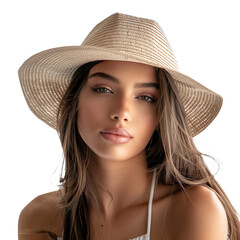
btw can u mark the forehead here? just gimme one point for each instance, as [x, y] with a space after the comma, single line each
[124, 71]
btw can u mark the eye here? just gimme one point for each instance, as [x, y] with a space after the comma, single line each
[106, 90]
[101, 90]
[147, 99]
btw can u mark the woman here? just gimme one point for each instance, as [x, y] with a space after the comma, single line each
[126, 117]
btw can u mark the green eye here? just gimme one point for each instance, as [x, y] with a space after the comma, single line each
[147, 99]
[101, 90]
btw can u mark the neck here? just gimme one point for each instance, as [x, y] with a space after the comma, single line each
[127, 181]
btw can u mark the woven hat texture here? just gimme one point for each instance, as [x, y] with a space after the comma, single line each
[45, 76]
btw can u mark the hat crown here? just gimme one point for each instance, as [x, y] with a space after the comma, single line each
[136, 36]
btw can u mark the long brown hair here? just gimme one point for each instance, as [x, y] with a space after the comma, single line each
[170, 151]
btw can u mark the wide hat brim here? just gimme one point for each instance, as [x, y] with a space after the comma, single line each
[46, 75]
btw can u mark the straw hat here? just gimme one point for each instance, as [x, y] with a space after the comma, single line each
[45, 76]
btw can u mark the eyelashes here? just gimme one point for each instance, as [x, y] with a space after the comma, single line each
[101, 90]
[145, 98]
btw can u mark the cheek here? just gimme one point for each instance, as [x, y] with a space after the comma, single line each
[90, 114]
[147, 117]
[145, 124]
[150, 125]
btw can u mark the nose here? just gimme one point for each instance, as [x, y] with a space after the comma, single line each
[121, 110]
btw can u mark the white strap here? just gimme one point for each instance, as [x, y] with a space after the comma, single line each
[150, 204]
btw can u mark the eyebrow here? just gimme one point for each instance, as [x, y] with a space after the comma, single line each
[115, 80]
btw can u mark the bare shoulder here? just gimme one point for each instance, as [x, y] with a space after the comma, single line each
[42, 215]
[197, 213]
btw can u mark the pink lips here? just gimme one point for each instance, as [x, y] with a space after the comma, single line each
[116, 135]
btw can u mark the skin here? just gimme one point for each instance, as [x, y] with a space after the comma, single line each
[121, 169]
[121, 105]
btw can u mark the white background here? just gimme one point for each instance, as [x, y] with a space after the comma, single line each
[205, 38]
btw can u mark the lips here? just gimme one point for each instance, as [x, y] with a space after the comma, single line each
[117, 131]
[116, 135]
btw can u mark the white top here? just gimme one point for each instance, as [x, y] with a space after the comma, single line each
[147, 235]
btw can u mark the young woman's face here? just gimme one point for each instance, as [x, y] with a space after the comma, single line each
[118, 95]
